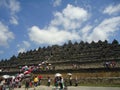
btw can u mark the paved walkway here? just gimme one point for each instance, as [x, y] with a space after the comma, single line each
[71, 88]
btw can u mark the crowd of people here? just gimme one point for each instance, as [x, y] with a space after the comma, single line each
[42, 66]
[26, 78]
[10, 82]
[29, 81]
[109, 64]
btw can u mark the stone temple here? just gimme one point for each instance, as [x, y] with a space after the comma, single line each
[95, 63]
[70, 56]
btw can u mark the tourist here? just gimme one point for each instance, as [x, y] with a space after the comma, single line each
[113, 63]
[56, 81]
[70, 80]
[36, 81]
[31, 83]
[19, 84]
[61, 83]
[76, 81]
[2, 82]
[13, 84]
[39, 78]
[27, 80]
[49, 80]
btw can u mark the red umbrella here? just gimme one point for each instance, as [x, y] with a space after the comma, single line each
[30, 70]
[39, 76]
[27, 72]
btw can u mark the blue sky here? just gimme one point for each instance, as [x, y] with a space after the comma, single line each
[29, 24]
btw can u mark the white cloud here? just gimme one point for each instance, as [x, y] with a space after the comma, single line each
[105, 29]
[14, 7]
[26, 44]
[85, 31]
[23, 46]
[62, 28]
[14, 20]
[112, 9]
[57, 3]
[70, 18]
[69, 25]
[5, 35]
[21, 50]
[51, 36]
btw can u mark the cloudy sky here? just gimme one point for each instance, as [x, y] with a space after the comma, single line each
[28, 24]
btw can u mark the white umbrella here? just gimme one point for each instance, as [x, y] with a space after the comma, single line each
[58, 75]
[13, 77]
[46, 61]
[6, 76]
[49, 64]
[21, 75]
[39, 64]
[27, 75]
[43, 62]
[69, 74]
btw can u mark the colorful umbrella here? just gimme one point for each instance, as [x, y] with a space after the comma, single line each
[69, 74]
[6, 76]
[27, 72]
[58, 75]
[39, 76]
